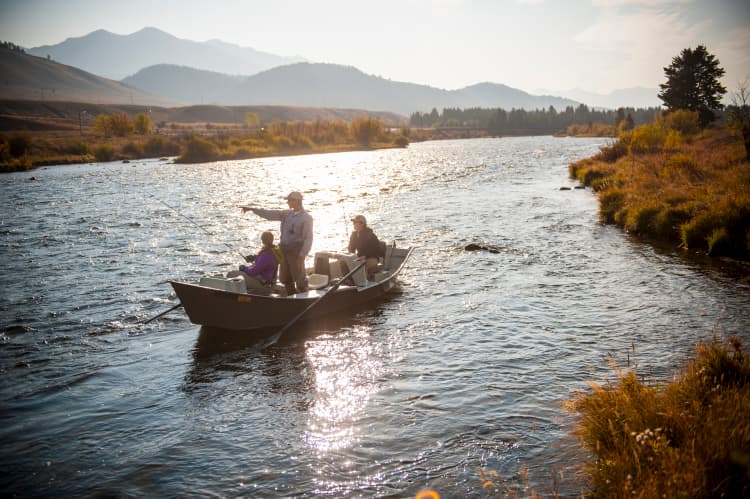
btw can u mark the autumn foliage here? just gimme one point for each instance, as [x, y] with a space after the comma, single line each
[687, 438]
[674, 181]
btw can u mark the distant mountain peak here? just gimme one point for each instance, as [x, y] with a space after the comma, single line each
[117, 56]
[328, 85]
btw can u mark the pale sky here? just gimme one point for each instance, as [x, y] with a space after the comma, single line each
[595, 45]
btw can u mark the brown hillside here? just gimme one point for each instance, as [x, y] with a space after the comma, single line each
[34, 78]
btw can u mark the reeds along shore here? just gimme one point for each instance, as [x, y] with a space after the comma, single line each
[672, 181]
[689, 438]
[26, 150]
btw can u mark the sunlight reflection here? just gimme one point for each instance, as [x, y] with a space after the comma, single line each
[335, 187]
[345, 371]
[205, 200]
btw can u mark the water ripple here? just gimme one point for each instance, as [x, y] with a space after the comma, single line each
[456, 381]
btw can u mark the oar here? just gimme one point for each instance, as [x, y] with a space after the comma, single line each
[273, 339]
[163, 313]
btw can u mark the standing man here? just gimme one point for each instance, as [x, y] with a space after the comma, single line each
[296, 240]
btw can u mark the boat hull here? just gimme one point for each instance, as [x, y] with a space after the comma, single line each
[221, 309]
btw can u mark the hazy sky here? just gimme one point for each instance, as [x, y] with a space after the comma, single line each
[596, 45]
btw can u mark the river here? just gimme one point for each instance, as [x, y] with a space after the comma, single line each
[453, 382]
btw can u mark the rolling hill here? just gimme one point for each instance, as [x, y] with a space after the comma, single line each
[328, 85]
[29, 77]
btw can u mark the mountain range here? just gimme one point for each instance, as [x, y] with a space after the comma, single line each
[156, 64]
[328, 85]
[117, 56]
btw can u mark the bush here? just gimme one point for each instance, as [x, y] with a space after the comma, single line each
[682, 164]
[689, 438]
[132, 150]
[401, 141]
[611, 203]
[642, 220]
[19, 145]
[16, 164]
[612, 152]
[104, 153]
[142, 124]
[673, 140]
[198, 150]
[683, 121]
[77, 147]
[647, 138]
[365, 131]
[160, 146]
[668, 221]
[718, 242]
[281, 142]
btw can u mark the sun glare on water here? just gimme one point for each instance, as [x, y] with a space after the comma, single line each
[344, 374]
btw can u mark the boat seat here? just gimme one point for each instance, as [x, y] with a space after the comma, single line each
[232, 284]
[387, 257]
[317, 281]
[327, 264]
[348, 262]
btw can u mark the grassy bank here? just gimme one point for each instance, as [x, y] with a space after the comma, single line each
[29, 149]
[688, 438]
[670, 180]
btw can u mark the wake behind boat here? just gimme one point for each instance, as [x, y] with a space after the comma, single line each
[224, 303]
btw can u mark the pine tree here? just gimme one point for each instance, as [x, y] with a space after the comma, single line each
[693, 83]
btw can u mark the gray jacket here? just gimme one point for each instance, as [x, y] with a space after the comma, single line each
[296, 229]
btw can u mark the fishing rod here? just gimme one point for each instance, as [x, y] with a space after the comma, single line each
[197, 225]
[193, 222]
[346, 226]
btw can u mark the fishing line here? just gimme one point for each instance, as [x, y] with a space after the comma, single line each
[197, 225]
[346, 224]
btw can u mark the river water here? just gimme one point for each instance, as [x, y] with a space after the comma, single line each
[453, 382]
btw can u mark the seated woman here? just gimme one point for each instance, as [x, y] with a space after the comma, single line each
[365, 243]
[261, 275]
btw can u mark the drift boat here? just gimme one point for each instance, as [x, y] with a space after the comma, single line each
[225, 303]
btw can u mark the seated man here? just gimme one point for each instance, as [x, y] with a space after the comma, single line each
[365, 243]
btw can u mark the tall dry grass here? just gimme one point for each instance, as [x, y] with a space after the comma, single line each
[673, 181]
[291, 138]
[689, 438]
[21, 151]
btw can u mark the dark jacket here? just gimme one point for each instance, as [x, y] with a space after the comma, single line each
[365, 243]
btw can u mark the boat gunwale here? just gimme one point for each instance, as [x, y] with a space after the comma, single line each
[297, 296]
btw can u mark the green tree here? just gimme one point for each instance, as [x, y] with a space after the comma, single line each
[142, 124]
[102, 125]
[366, 130]
[693, 83]
[121, 126]
[252, 120]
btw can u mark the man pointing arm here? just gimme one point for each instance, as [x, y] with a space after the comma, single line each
[296, 240]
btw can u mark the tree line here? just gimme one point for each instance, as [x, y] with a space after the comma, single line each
[692, 84]
[498, 121]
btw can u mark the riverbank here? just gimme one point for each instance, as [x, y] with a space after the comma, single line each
[670, 181]
[691, 435]
[352, 394]
[199, 143]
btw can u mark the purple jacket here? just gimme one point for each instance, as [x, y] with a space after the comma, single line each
[264, 267]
